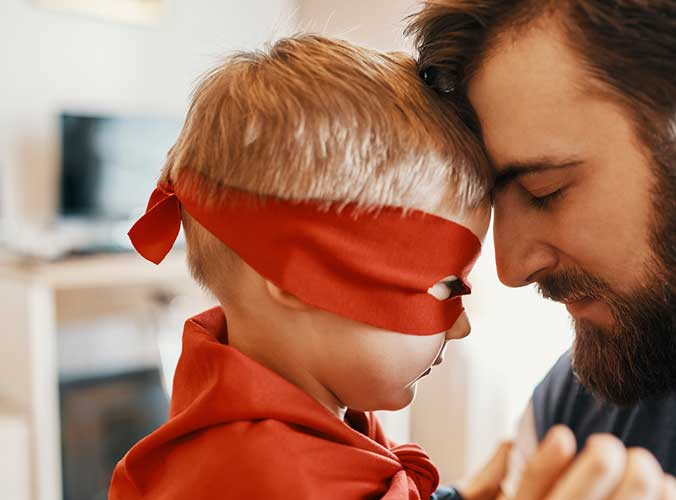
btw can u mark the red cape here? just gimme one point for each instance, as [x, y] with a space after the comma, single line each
[237, 430]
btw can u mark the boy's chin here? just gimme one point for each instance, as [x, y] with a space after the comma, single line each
[402, 399]
[393, 401]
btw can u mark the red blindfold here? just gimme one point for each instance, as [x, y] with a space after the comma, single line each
[398, 270]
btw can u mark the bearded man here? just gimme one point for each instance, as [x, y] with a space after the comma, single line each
[575, 102]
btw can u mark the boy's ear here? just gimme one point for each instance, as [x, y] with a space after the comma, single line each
[285, 298]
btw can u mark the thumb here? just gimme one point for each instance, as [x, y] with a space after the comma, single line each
[485, 484]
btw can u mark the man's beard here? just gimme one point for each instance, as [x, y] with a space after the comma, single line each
[635, 358]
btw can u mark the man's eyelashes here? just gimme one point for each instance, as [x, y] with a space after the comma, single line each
[545, 202]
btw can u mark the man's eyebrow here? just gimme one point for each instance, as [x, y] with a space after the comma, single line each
[512, 171]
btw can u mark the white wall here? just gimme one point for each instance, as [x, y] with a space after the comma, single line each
[50, 61]
[374, 23]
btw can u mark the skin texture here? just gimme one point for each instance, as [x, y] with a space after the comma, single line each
[339, 362]
[601, 219]
[574, 210]
[538, 108]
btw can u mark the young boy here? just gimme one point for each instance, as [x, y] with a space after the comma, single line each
[334, 211]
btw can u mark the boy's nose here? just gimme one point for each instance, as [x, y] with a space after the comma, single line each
[459, 330]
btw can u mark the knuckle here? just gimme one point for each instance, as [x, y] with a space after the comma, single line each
[605, 455]
[601, 464]
[639, 485]
[669, 487]
[603, 440]
[643, 472]
[644, 460]
[561, 443]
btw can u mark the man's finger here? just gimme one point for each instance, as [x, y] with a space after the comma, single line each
[596, 473]
[668, 488]
[550, 461]
[497, 466]
[486, 483]
[643, 477]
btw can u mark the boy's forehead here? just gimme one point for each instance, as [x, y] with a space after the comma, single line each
[450, 202]
[476, 218]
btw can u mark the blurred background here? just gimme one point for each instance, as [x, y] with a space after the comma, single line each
[92, 95]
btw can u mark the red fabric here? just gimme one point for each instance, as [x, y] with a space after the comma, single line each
[375, 268]
[154, 235]
[239, 431]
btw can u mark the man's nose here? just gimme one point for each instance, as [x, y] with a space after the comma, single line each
[522, 250]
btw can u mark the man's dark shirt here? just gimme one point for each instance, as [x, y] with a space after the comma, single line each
[650, 424]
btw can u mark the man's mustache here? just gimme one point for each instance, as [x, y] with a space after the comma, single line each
[572, 285]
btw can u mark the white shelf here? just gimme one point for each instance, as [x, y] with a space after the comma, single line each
[29, 370]
[14, 460]
[97, 271]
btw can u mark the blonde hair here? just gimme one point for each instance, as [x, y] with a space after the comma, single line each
[312, 118]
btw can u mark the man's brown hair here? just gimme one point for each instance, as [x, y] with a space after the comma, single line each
[628, 48]
[312, 118]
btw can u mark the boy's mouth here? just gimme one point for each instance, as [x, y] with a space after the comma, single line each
[423, 375]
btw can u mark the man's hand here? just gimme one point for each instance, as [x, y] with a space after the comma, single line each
[604, 470]
[485, 485]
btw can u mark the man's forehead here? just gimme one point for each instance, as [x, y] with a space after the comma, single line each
[528, 96]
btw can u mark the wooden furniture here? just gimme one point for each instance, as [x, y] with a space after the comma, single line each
[32, 301]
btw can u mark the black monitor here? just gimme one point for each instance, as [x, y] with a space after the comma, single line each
[110, 163]
[102, 417]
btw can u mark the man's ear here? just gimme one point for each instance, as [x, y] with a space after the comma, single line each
[285, 298]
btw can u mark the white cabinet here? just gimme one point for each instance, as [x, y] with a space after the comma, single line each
[14, 463]
[34, 299]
